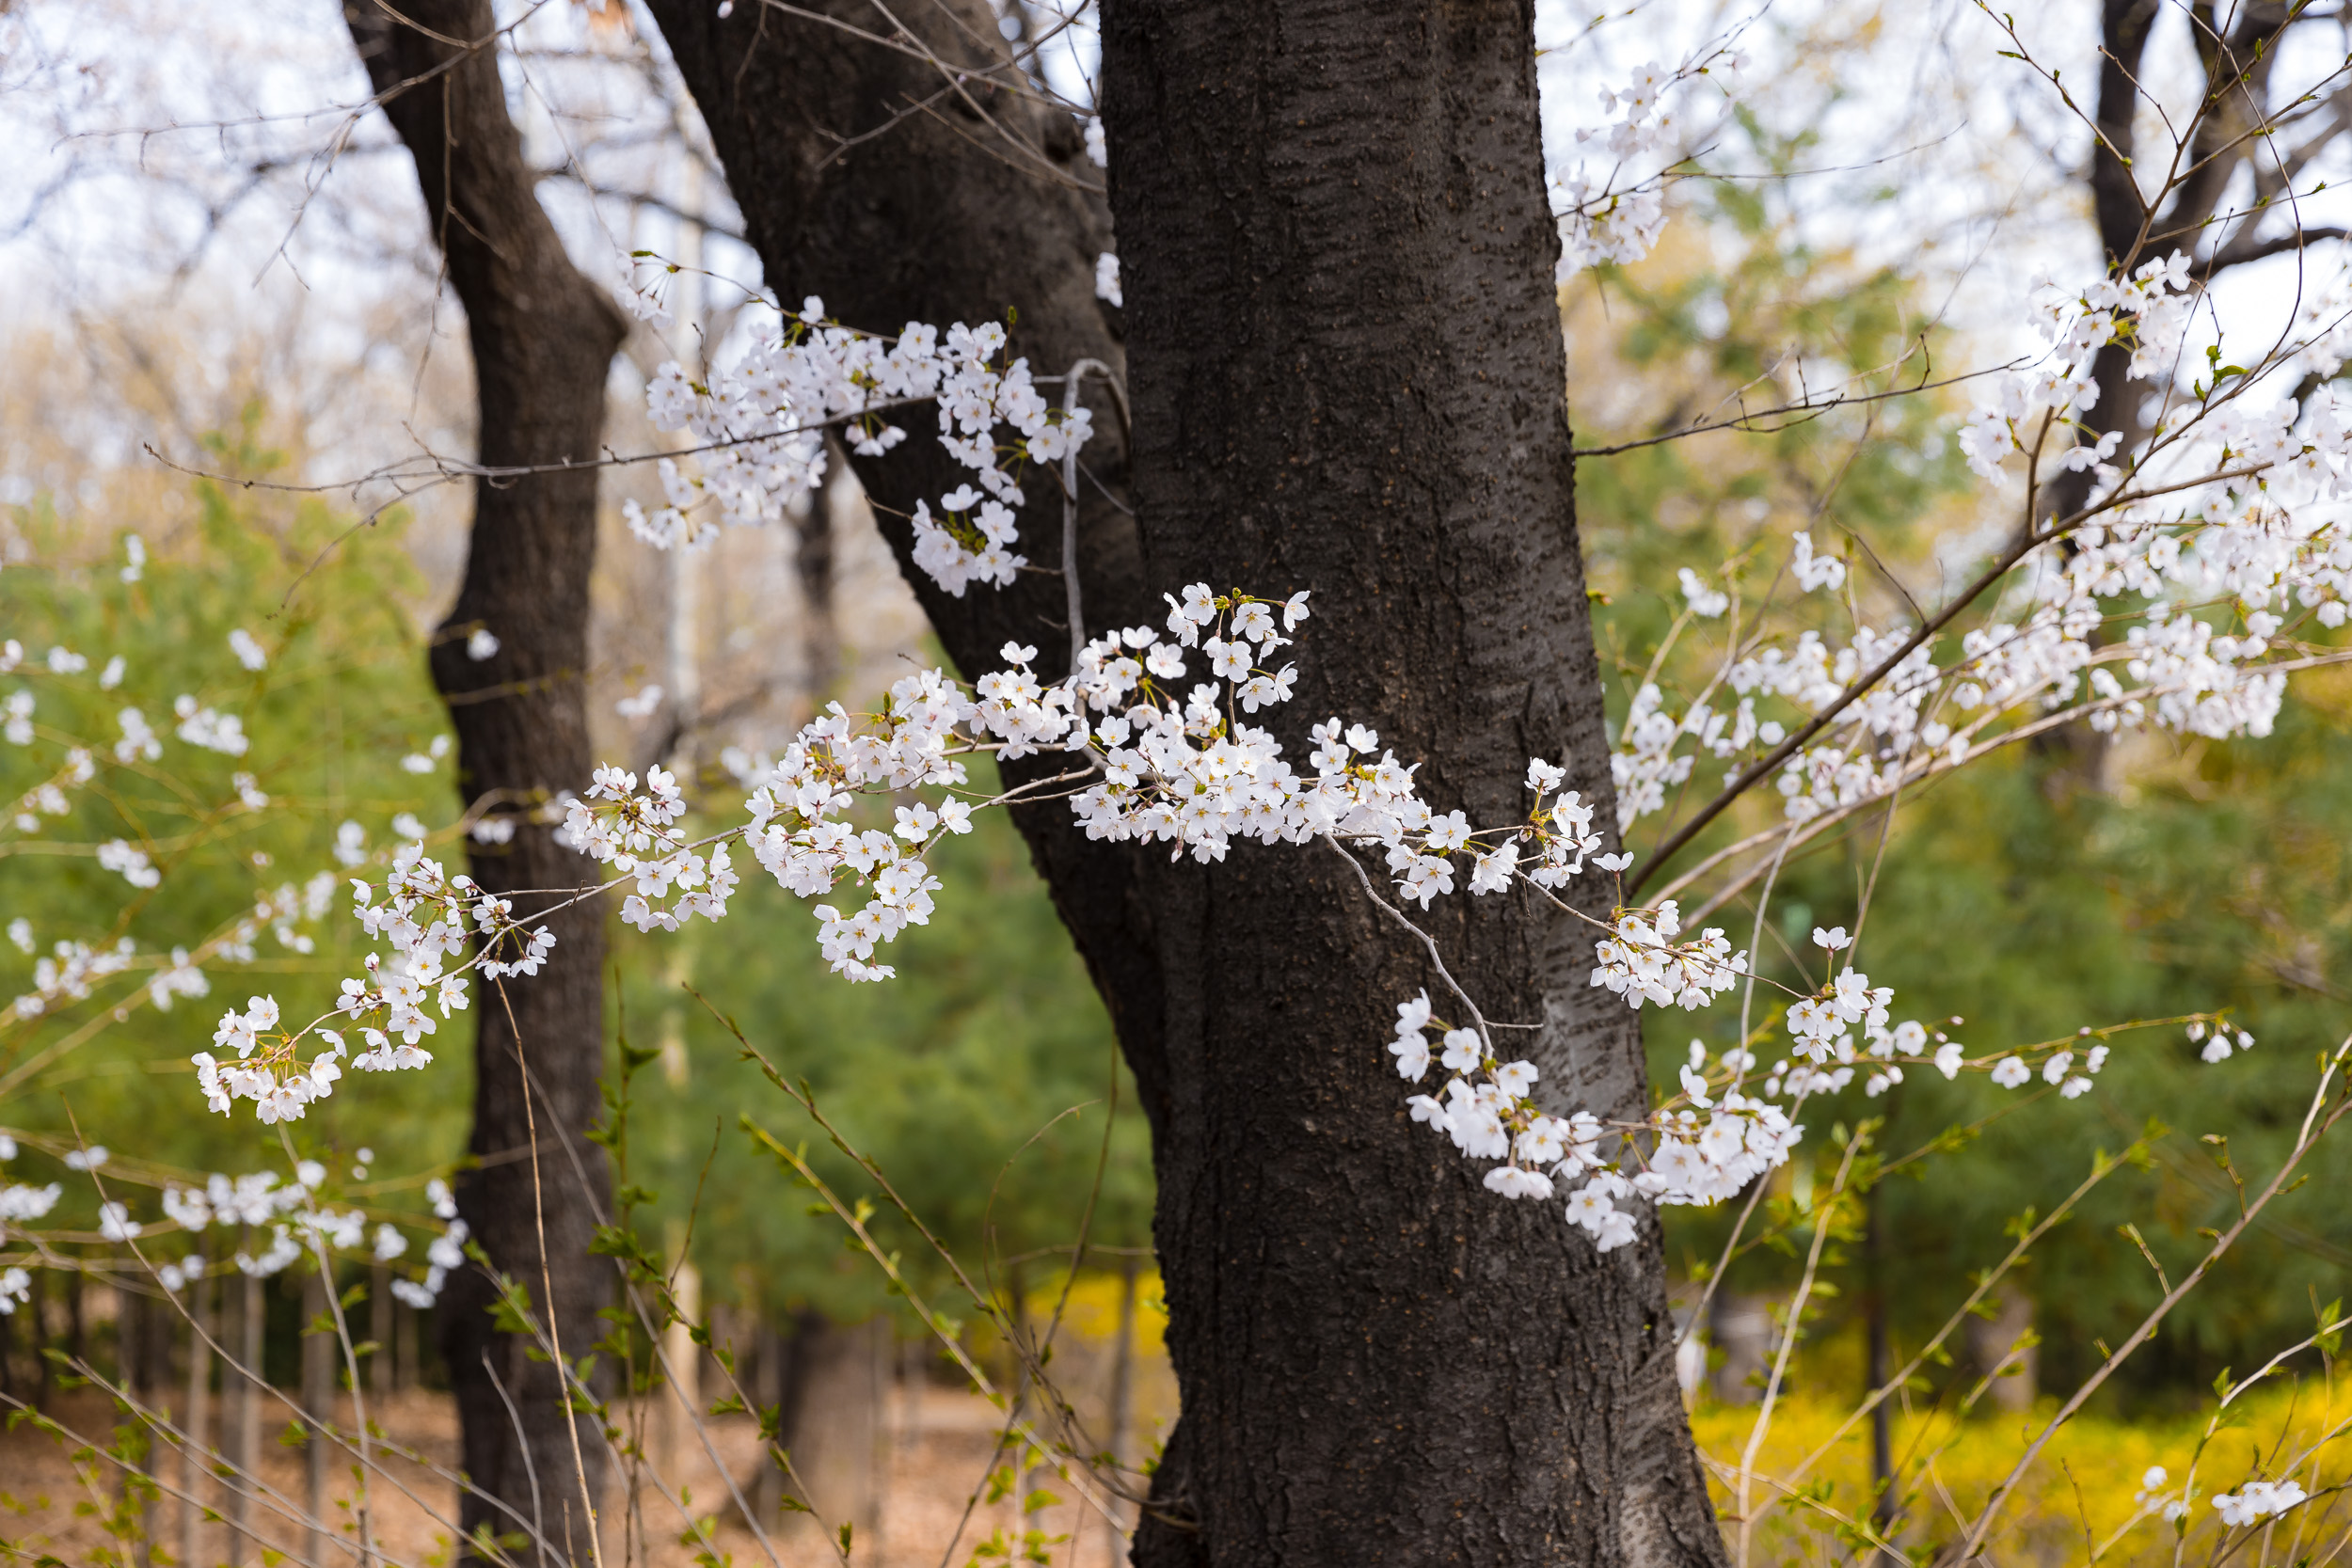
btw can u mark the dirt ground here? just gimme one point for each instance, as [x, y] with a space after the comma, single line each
[934, 1454]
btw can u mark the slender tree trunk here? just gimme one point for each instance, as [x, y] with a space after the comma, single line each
[1346, 374]
[766, 1492]
[203, 1291]
[1874, 1373]
[679, 1405]
[318, 1405]
[247, 1457]
[543, 339]
[1023, 1349]
[36, 1310]
[817, 532]
[1121, 1398]
[142, 1368]
[157, 1323]
[873, 1527]
[382, 1365]
[76, 1327]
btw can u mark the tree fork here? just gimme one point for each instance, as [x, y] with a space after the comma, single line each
[1345, 368]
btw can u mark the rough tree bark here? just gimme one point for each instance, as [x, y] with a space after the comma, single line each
[1346, 372]
[543, 337]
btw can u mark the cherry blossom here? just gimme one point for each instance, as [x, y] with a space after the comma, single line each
[2258, 1501]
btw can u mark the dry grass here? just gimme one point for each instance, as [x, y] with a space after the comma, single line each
[941, 1446]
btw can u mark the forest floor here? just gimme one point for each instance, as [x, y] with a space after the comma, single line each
[935, 1455]
[913, 1499]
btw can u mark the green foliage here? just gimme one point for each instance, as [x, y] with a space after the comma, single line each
[2033, 908]
[1738, 312]
[2067, 885]
[978, 1081]
[343, 699]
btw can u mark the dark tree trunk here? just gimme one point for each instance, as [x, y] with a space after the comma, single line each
[1346, 377]
[2236, 56]
[862, 226]
[2236, 61]
[543, 339]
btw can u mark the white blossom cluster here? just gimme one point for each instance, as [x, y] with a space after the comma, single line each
[1640, 962]
[129, 862]
[798, 833]
[1185, 766]
[49, 798]
[20, 1203]
[2173, 669]
[2257, 1500]
[2149, 310]
[68, 972]
[1617, 215]
[636, 837]
[2204, 547]
[1606, 225]
[1176, 765]
[1817, 1025]
[260, 1204]
[426, 917]
[1488, 1111]
[288, 1218]
[205, 727]
[1177, 762]
[72, 968]
[2152, 1496]
[1678, 1155]
[761, 425]
[442, 1254]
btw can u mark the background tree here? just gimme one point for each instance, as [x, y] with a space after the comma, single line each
[543, 337]
[2206, 187]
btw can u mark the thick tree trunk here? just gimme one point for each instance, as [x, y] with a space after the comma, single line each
[543, 339]
[1346, 377]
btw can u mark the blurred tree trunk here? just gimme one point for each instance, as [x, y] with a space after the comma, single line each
[143, 1370]
[203, 1331]
[35, 1309]
[319, 1349]
[380, 1363]
[1347, 374]
[246, 1455]
[543, 337]
[819, 529]
[77, 1326]
[2235, 50]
